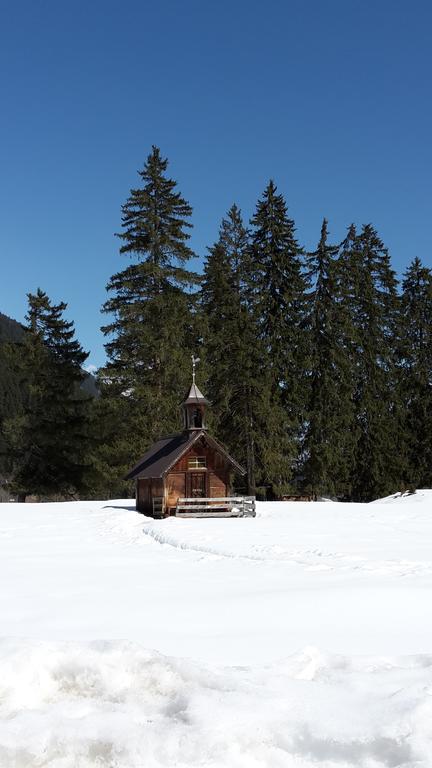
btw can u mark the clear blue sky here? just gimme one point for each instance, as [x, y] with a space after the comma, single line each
[331, 98]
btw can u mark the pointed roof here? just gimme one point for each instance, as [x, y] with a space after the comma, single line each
[159, 459]
[195, 396]
[160, 456]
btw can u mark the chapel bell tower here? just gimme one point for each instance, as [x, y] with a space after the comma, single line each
[194, 407]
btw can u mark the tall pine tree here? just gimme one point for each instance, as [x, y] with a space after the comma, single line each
[377, 469]
[328, 445]
[276, 294]
[415, 373]
[152, 332]
[230, 343]
[50, 439]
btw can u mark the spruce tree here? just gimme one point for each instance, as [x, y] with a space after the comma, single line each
[152, 332]
[377, 469]
[328, 446]
[230, 343]
[415, 373]
[276, 289]
[49, 440]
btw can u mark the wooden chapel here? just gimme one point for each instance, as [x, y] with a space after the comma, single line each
[189, 474]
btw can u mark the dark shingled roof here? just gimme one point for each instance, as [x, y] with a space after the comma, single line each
[165, 453]
[195, 396]
[160, 456]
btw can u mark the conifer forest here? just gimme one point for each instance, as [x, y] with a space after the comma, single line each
[318, 365]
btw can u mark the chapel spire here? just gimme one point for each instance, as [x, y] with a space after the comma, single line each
[194, 407]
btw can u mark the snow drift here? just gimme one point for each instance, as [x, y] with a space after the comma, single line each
[214, 612]
[116, 704]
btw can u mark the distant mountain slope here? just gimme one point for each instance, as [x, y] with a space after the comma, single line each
[12, 331]
[11, 390]
[89, 385]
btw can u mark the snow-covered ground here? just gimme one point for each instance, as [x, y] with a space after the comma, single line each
[302, 637]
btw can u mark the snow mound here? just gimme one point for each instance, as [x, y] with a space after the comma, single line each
[117, 705]
[422, 496]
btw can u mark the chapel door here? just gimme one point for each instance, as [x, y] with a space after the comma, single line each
[198, 485]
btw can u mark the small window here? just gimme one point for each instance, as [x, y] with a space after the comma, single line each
[197, 462]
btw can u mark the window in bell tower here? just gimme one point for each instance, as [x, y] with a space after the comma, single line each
[196, 418]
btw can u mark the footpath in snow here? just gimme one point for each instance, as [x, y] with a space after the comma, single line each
[302, 637]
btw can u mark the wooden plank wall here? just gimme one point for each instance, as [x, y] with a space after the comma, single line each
[146, 489]
[144, 496]
[176, 484]
[217, 485]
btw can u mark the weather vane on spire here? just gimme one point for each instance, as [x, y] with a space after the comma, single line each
[195, 360]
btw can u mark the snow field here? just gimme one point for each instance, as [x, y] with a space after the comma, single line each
[223, 620]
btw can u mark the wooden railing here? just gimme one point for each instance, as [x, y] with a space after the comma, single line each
[232, 506]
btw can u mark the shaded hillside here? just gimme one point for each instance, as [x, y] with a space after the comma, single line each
[10, 330]
[12, 393]
[89, 385]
